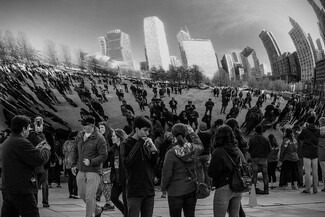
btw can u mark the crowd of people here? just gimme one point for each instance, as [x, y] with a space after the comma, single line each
[170, 149]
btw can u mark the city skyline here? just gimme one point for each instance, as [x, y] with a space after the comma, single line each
[230, 25]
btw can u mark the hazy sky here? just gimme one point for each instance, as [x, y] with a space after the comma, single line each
[230, 24]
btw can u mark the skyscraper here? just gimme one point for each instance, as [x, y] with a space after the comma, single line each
[272, 49]
[198, 52]
[236, 57]
[304, 50]
[156, 48]
[251, 63]
[263, 68]
[119, 46]
[228, 65]
[315, 53]
[320, 16]
[320, 47]
[103, 45]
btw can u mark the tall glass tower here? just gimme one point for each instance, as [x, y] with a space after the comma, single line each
[156, 47]
[272, 49]
[304, 51]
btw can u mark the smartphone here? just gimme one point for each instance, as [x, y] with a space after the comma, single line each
[39, 121]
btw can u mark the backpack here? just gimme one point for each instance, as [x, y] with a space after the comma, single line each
[239, 178]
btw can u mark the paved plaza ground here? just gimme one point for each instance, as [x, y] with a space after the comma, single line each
[282, 203]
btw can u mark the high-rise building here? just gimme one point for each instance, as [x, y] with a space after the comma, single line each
[320, 48]
[310, 39]
[103, 45]
[320, 13]
[304, 50]
[119, 46]
[320, 78]
[295, 68]
[174, 61]
[157, 52]
[236, 57]
[228, 65]
[198, 52]
[251, 63]
[272, 49]
[263, 68]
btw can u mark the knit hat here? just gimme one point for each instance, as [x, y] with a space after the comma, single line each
[87, 120]
[203, 126]
[311, 119]
[179, 129]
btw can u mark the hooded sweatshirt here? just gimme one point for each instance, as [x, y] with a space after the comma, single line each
[309, 136]
[176, 177]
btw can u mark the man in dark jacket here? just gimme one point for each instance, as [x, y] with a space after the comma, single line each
[259, 148]
[19, 160]
[309, 137]
[140, 156]
[90, 152]
[208, 106]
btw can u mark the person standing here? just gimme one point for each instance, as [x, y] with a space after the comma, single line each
[309, 136]
[259, 149]
[140, 156]
[176, 176]
[272, 160]
[208, 106]
[173, 105]
[89, 154]
[19, 160]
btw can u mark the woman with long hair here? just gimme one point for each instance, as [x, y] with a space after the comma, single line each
[105, 185]
[220, 170]
[272, 160]
[179, 165]
[118, 176]
[289, 158]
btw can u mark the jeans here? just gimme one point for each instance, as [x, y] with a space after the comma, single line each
[87, 186]
[311, 165]
[72, 183]
[260, 165]
[185, 202]
[202, 168]
[140, 204]
[117, 190]
[15, 205]
[225, 199]
[322, 166]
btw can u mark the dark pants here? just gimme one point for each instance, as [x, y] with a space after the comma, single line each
[208, 110]
[290, 171]
[301, 172]
[271, 167]
[143, 205]
[45, 188]
[117, 190]
[15, 205]
[185, 202]
[72, 183]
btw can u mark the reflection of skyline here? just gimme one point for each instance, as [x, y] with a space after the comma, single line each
[229, 26]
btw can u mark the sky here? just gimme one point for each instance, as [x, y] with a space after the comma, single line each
[231, 25]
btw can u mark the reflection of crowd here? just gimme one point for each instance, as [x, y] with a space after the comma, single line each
[163, 148]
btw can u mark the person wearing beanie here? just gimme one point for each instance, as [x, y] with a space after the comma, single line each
[179, 163]
[309, 136]
[321, 148]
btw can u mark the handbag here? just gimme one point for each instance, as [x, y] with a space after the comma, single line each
[202, 190]
[237, 182]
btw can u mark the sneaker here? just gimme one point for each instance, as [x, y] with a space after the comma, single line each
[71, 196]
[315, 191]
[259, 191]
[46, 205]
[76, 197]
[305, 192]
[323, 190]
[108, 207]
[58, 186]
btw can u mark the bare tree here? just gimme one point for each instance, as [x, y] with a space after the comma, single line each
[3, 51]
[51, 52]
[26, 52]
[11, 46]
[66, 56]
